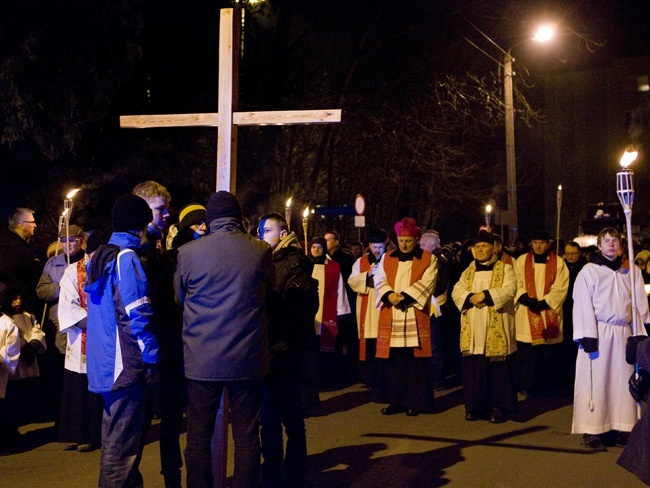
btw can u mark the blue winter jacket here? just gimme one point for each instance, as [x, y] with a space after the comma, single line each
[120, 341]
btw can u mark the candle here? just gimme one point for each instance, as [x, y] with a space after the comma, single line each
[287, 214]
[305, 226]
[488, 214]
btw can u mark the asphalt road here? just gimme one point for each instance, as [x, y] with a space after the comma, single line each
[351, 444]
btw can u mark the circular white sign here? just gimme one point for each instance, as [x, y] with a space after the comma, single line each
[359, 204]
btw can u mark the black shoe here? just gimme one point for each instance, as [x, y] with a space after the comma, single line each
[473, 416]
[594, 443]
[412, 412]
[392, 409]
[498, 417]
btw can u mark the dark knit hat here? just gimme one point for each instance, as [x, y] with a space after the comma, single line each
[191, 214]
[74, 231]
[377, 236]
[130, 212]
[540, 235]
[223, 204]
[484, 236]
[320, 241]
[95, 239]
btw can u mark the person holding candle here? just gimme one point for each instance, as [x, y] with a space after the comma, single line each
[602, 314]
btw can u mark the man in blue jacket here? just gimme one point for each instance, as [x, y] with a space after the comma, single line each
[121, 350]
[222, 281]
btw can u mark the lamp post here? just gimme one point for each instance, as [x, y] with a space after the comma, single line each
[543, 34]
[511, 165]
[287, 214]
[305, 227]
[558, 200]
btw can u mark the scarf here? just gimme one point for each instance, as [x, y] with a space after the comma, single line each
[538, 332]
[423, 328]
[496, 346]
[83, 302]
[364, 267]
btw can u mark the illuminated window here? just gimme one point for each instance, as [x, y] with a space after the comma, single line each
[643, 83]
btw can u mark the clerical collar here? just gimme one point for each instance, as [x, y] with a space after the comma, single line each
[601, 260]
[540, 258]
[487, 265]
[408, 256]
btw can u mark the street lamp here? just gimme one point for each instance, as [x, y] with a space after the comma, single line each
[543, 34]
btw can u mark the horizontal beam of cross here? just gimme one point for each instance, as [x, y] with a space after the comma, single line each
[285, 117]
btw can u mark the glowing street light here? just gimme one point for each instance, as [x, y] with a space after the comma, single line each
[488, 214]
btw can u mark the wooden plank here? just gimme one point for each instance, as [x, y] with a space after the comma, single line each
[225, 102]
[168, 120]
[324, 116]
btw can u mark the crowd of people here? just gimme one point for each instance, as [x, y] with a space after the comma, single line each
[170, 320]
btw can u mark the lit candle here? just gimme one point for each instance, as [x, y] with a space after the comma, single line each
[305, 227]
[488, 214]
[287, 214]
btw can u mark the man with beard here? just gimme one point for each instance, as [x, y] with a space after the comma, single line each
[542, 284]
[362, 282]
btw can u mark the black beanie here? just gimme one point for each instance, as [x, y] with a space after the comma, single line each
[377, 236]
[540, 235]
[95, 239]
[223, 204]
[131, 212]
[485, 236]
[320, 241]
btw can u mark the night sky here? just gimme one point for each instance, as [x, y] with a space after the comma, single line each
[69, 69]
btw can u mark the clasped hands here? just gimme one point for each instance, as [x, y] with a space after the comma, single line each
[478, 300]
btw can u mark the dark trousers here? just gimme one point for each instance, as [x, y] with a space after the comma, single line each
[171, 399]
[437, 353]
[539, 367]
[245, 405]
[282, 406]
[124, 426]
[489, 384]
[405, 380]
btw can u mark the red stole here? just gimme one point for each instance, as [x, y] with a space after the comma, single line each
[421, 316]
[538, 333]
[507, 259]
[329, 328]
[83, 300]
[364, 266]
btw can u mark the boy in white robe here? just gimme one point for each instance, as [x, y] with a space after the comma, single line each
[602, 318]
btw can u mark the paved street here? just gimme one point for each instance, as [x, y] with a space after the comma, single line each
[352, 445]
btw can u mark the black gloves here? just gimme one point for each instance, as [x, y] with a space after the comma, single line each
[589, 344]
[538, 306]
[639, 386]
[526, 300]
[631, 346]
[28, 354]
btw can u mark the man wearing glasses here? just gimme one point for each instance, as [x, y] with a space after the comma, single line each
[21, 262]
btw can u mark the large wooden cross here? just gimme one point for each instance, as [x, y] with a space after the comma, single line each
[227, 119]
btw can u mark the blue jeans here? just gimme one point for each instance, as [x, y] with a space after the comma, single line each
[245, 403]
[124, 426]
